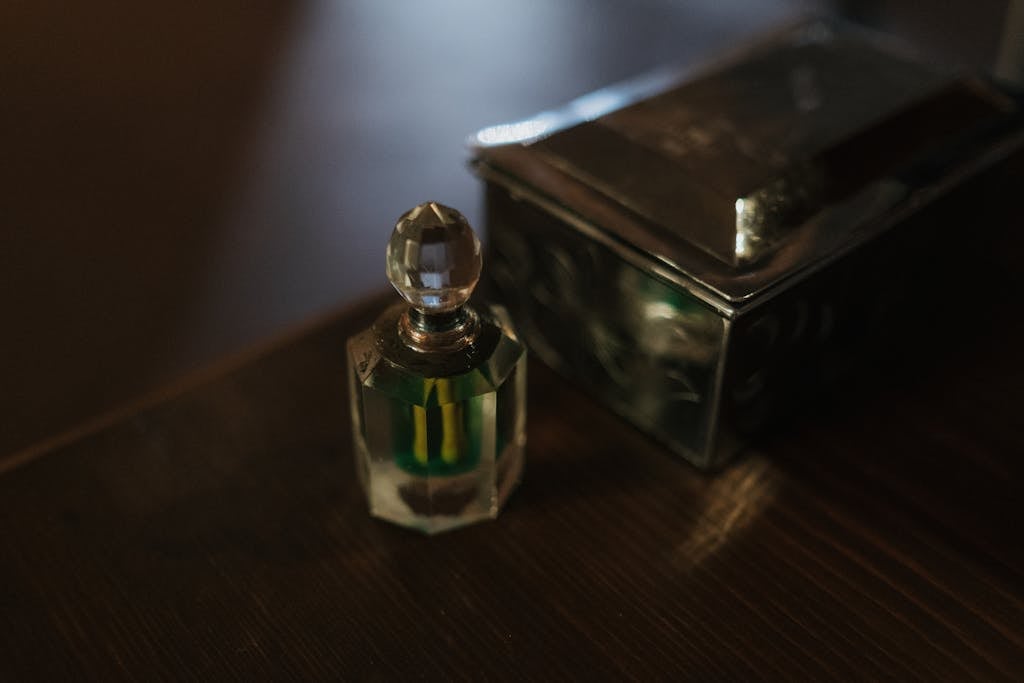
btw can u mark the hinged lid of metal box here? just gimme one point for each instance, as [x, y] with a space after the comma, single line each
[734, 179]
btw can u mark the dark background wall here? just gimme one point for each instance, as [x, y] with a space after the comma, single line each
[182, 180]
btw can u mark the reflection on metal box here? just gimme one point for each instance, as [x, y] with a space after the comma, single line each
[697, 249]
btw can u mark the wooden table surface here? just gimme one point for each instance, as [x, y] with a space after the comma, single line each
[219, 533]
[182, 179]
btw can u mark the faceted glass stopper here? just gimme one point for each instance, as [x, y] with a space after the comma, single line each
[433, 258]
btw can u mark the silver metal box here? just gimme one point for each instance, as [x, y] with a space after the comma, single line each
[698, 249]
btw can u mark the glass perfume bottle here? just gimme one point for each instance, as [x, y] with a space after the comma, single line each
[438, 387]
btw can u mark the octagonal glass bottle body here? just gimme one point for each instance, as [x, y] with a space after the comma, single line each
[439, 435]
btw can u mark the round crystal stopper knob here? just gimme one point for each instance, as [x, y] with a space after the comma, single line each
[433, 258]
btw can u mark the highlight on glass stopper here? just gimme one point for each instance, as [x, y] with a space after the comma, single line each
[433, 258]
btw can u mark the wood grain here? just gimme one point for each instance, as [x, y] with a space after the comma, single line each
[180, 180]
[221, 535]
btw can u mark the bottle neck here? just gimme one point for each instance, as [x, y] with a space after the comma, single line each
[438, 332]
[436, 322]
